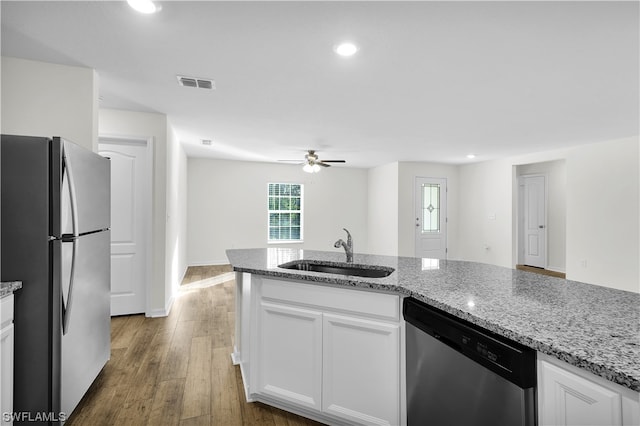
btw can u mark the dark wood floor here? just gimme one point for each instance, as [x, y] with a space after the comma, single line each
[177, 370]
[541, 271]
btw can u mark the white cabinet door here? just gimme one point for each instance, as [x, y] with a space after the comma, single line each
[361, 370]
[6, 372]
[6, 359]
[289, 354]
[568, 399]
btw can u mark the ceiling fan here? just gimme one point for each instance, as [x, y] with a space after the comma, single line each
[313, 164]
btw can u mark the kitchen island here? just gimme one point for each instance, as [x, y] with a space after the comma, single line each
[593, 328]
[9, 287]
[7, 336]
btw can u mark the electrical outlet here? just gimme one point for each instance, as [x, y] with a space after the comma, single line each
[583, 263]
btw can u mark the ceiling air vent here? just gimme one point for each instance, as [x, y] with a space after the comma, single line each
[206, 141]
[201, 83]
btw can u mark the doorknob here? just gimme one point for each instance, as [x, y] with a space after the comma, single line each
[540, 226]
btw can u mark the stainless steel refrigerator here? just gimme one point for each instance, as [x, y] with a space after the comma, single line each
[55, 219]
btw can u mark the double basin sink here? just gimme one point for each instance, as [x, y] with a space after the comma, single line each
[353, 269]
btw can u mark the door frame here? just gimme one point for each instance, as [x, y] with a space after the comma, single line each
[147, 201]
[444, 220]
[520, 217]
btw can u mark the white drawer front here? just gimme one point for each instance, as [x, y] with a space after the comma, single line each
[362, 302]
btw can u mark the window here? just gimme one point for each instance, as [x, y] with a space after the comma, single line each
[285, 212]
[431, 207]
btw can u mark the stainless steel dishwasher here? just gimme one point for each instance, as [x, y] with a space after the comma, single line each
[460, 374]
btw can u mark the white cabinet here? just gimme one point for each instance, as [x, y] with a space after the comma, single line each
[328, 353]
[569, 396]
[289, 366]
[361, 371]
[6, 358]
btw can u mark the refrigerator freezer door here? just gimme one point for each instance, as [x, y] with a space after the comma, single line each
[86, 344]
[87, 191]
[27, 256]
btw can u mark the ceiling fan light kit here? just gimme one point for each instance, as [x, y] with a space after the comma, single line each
[144, 6]
[312, 164]
[311, 168]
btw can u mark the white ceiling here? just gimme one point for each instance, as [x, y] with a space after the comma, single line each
[433, 81]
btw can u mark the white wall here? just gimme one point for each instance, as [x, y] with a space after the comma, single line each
[176, 242]
[407, 173]
[382, 219]
[602, 211]
[168, 192]
[42, 99]
[227, 206]
[555, 173]
[485, 213]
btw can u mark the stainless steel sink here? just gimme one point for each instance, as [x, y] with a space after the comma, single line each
[368, 271]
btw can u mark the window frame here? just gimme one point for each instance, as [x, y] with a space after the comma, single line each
[270, 211]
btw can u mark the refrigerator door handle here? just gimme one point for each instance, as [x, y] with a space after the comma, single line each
[66, 164]
[68, 303]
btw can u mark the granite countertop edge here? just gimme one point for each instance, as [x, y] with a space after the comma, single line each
[568, 355]
[9, 287]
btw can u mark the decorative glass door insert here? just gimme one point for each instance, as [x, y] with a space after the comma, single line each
[431, 207]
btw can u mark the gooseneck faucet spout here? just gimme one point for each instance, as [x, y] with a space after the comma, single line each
[348, 246]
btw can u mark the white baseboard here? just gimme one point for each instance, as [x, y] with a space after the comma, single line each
[556, 269]
[155, 313]
[210, 263]
[184, 273]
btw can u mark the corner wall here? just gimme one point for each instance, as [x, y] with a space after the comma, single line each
[166, 215]
[555, 173]
[602, 211]
[382, 219]
[176, 241]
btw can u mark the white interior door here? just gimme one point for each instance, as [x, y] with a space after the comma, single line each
[534, 232]
[130, 222]
[431, 217]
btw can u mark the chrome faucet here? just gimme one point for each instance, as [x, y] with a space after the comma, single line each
[348, 246]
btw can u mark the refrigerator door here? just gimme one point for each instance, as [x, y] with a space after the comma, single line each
[84, 186]
[86, 344]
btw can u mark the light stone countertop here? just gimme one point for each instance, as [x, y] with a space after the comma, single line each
[592, 327]
[7, 288]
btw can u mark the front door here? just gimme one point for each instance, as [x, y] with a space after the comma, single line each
[431, 217]
[534, 221]
[130, 219]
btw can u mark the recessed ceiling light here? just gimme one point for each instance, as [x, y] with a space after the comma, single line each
[471, 156]
[346, 49]
[144, 6]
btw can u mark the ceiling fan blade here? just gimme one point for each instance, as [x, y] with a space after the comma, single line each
[292, 161]
[321, 163]
[333, 161]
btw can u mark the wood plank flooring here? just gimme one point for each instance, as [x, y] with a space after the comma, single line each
[177, 370]
[541, 271]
